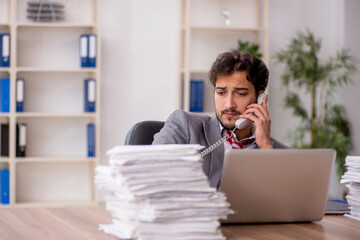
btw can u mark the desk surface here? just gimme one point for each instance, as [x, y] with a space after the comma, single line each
[82, 223]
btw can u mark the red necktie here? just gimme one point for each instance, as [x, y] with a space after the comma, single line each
[235, 144]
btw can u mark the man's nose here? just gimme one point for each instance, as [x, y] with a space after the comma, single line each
[230, 101]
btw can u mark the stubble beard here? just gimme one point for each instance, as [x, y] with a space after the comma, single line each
[228, 126]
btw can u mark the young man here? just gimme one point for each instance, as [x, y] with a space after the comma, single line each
[238, 78]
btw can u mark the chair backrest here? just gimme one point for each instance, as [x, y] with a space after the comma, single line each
[142, 133]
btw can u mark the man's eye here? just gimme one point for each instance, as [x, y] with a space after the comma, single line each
[241, 94]
[220, 93]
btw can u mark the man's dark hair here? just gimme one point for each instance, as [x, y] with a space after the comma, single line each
[228, 63]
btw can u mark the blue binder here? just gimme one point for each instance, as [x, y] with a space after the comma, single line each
[196, 95]
[5, 95]
[84, 50]
[89, 95]
[20, 88]
[91, 139]
[4, 178]
[5, 50]
[92, 50]
[4, 139]
[21, 139]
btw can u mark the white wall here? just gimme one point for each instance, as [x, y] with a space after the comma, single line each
[285, 19]
[335, 22]
[140, 60]
[350, 96]
[139, 65]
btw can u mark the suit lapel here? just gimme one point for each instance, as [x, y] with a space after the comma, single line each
[216, 157]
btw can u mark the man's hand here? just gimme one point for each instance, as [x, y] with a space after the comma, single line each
[261, 118]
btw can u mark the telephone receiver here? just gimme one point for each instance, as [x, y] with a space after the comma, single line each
[239, 124]
[244, 122]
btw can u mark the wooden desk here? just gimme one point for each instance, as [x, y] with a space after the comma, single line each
[82, 223]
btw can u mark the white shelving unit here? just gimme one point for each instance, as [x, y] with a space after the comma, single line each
[204, 35]
[56, 170]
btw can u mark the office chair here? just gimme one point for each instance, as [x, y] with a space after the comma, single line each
[142, 133]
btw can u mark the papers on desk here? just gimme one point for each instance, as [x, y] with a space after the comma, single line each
[352, 180]
[160, 192]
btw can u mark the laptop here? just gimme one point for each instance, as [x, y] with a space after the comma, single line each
[280, 185]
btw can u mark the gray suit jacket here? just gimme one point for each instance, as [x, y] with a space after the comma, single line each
[193, 128]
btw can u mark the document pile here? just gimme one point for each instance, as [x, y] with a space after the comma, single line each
[160, 192]
[352, 180]
[45, 11]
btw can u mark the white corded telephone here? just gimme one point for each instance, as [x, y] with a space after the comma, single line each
[239, 124]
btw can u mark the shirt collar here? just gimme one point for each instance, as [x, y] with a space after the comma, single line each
[223, 132]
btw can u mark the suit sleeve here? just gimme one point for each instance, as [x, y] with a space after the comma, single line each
[175, 130]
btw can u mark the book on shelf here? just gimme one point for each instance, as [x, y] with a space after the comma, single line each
[84, 58]
[4, 49]
[196, 95]
[91, 139]
[5, 95]
[4, 185]
[89, 95]
[20, 89]
[4, 140]
[92, 50]
[21, 139]
[88, 51]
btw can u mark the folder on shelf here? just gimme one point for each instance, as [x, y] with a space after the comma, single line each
[21, 139]
[196, 95]
[4, 185]
[89, 95]
[5, 95]
[84, 48]
[4, 50]
[92, 50]
[91, 139]
[4, 140]
[20, 87]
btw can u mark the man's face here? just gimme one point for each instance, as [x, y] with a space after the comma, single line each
[233, 94]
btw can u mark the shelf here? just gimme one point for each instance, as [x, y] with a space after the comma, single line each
[54, 25]
[55, 115]
[3, 69]
[56, 70]
[204, 35]
[54, 159]
[227, 29]
[199, 71]
[56, 171]
[56, 204]
[4, 114]
[4, 159]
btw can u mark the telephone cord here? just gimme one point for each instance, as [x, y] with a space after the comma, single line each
[216, 144]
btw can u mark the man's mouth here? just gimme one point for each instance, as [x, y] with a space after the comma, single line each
[230, 113]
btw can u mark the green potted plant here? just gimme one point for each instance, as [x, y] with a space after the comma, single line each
[325, 124]
[245, 46]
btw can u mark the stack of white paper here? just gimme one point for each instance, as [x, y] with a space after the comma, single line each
[160, 192]
[352, 180]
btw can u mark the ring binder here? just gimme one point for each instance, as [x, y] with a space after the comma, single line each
[4, 49]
